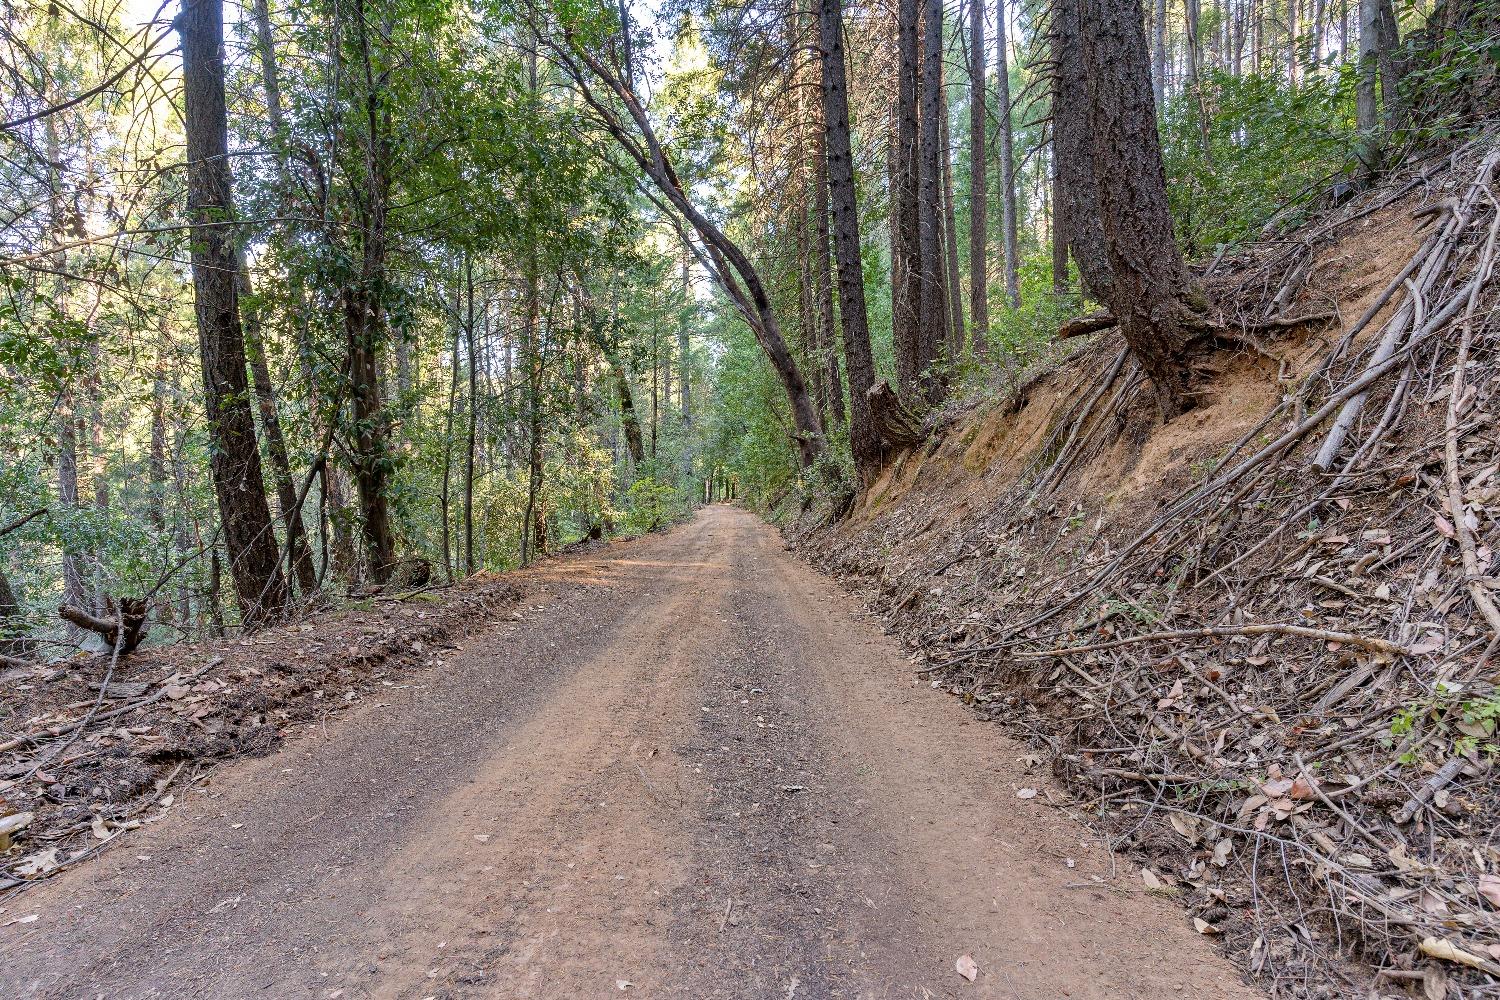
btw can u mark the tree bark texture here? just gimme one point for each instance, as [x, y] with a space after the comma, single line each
[1073, 150]
[363, 321]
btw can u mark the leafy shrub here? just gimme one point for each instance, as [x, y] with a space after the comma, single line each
[649, 504]
[1267, 145]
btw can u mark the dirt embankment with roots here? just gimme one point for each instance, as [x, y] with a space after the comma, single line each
[1258, 642]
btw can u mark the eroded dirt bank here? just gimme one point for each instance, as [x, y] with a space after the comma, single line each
[691, 770]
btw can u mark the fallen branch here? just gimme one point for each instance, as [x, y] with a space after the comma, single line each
[22, 521]
[131, 618]
[1365, 642]
[1085, 325]
[1430, 788]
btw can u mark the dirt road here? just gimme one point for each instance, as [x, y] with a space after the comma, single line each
[692, 769]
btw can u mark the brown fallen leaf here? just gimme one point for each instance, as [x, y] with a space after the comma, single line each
[1203, 926]
[1489, 888]
[1435, 983]
[1303, 789]
[967, 967]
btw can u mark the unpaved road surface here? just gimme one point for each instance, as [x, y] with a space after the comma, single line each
[691, 769]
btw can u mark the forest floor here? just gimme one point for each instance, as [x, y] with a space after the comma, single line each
[691, 768]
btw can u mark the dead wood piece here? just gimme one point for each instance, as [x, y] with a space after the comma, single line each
[15, 663]
[898, 423]
[1430, 787]
[132, 614]
[22, 521]
[1365, 642]
[1085, 325]
[1457, 503]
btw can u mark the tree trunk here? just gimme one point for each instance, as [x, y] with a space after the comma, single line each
[471, 432]
[10, 607]
[634, 444]
[804, 152]
[732, 269]
[1007, 160]
[270, 422]
[822, 272]
[447, 487]
[1073, 151]
[234, 459]
[1194, 70]
[684, 347]
[979, 285]
[934, 322]
[1159, 56]
[906, 195]
[1388, 43]
[1059, 230]
[363, 318]
[1367, 108]
[953, 284]
[864, 440]
[1152, 295]
[533, 522]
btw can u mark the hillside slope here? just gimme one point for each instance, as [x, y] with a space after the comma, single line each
[1258, 641]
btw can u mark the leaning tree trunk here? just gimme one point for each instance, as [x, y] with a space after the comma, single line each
[234, 459]
[731, 267]
[1153, 297]
[864, 439]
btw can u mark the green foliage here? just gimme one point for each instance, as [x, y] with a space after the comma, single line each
[1268, 145]
[650, 505]
[1461, 726]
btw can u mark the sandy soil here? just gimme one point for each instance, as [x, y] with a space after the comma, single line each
[692, 769]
